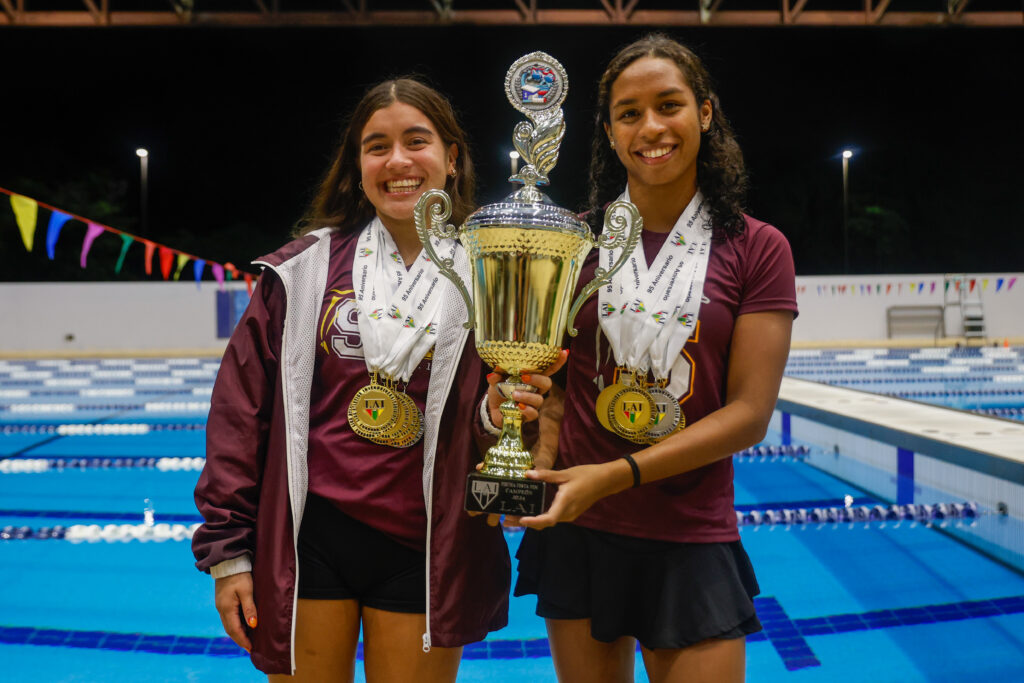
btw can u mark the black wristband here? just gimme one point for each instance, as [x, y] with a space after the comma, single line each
[636, 470]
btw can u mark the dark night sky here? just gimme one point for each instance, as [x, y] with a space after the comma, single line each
[241, 123]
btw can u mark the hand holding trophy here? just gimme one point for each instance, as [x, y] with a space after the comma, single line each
[525, 256]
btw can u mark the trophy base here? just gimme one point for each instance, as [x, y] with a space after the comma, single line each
[500, 496]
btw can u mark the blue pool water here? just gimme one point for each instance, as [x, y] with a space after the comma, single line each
[87, 443]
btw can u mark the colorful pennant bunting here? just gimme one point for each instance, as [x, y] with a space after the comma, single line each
[26, 211]
[57, 221]
[26, 214]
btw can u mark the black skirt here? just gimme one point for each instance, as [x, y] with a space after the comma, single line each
[664, 594]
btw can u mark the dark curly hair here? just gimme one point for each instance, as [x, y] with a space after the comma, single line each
[340, 203]
[721, 174]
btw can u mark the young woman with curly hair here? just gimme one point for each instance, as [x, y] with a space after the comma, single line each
[676, 366]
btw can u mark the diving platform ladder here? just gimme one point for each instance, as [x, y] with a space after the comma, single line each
[963, 293]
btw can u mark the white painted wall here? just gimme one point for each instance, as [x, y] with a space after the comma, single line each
[109, 317]
[167, 316]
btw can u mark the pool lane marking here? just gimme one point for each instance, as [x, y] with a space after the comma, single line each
[808, 504]
[53, 438]
[190, 518]
[904, 475]
[785, 634]
[782, 633]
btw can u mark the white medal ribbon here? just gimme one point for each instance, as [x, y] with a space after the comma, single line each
[397, 308]
[649, 313]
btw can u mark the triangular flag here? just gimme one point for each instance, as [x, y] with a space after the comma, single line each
[1009, 285]
[182, 260]
[150, 248]
[999, 284]
[232, 271]
[248, 282]
[932, 290]
[197, 270]
[166, 261]
[91, 234]
[26, 211]
[126, 241]
[972, 285]
[57, 221]
[218, 274]
[984, 284]
[888, 287]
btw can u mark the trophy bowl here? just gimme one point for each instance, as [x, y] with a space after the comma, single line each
[525, 256]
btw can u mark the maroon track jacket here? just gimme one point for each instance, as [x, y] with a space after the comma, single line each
[253, 488]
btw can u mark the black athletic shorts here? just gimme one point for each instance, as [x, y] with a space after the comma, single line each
[664, 594]
[341, 558]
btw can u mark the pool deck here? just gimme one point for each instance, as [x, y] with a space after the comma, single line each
[946, 433]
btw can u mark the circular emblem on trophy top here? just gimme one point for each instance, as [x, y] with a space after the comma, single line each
[536, 83]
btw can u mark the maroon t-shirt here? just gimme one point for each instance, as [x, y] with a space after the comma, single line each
[746, 274]
[381, 486]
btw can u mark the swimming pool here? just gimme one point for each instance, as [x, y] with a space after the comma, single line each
[986, 380]
[97, 446]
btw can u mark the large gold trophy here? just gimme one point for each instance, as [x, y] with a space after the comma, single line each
[525, 255]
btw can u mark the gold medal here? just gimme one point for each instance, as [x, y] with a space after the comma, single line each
[630, 412]
[374, 411]
[601, 405]
[409, 428]
[668, 416]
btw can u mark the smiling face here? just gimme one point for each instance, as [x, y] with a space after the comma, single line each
[655, 126]
[401, 157]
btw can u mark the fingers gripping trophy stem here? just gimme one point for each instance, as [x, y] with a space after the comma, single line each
[509, 457]
[439, 205]
[618, 217]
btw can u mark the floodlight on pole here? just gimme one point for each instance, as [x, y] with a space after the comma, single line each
[143, 155]
[846, 209]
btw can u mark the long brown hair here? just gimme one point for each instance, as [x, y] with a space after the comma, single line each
[339, 201]
[721, 173]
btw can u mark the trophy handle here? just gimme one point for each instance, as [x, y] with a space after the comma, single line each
[440, 211]
[613, 236]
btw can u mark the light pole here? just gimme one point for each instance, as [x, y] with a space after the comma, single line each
[143, 155]
[846, 210]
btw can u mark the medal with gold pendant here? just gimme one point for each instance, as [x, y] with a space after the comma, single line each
[409, 428]
[397, 306]
[374, 411]
[631, 408]
[605, 397]
[648, 311]
[668, 416]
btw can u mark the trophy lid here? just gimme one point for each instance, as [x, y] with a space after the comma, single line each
[542, 214]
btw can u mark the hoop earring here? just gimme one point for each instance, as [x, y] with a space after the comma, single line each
[360, 184]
